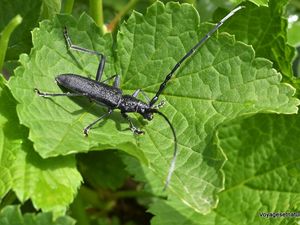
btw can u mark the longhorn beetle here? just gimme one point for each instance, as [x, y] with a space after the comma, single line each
[112, 97]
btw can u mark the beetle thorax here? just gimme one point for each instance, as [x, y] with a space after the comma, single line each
[129, 103]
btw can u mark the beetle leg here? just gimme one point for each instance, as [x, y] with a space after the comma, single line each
[87, 128]
[80, 49]
[135, 94]
[131, 126]
[46, 94]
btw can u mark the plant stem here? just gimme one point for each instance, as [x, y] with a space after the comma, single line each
[96, 11]
[112, 25]
[68, 6]
[5, 35]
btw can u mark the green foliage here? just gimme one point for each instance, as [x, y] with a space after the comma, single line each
[50, 8]
[55, 125]
[25, 172]
[21, 40]
[271, 180]
[267, 33]
[98, 168]
[260, 2]
[256, 2]
[234, 155]
[293, 35]
[11, 215]
[261, 175]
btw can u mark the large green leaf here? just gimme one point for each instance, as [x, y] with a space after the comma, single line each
[265, 29]
[221, 82]
[50, 183]
[262, 176]
[11, 215]
[264, 171]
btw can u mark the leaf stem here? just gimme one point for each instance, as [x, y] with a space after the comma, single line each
[5, 35]
[112, 25]
[68, 6]
[96, 12]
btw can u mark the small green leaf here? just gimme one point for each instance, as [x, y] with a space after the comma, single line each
[11, 215]
[50, 183]
[50, 8]
[219, 83]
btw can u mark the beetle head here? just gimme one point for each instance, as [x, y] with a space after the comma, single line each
[147, 113]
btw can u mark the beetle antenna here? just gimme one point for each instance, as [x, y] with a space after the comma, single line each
[172, 165]
[191, 52]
